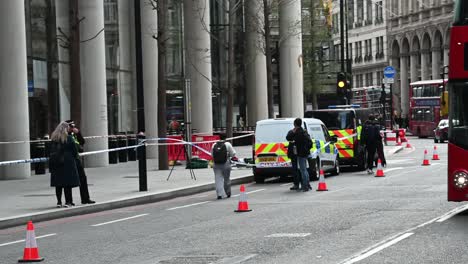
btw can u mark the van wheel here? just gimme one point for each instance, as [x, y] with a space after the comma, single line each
[314, 169]
[259, 178]
[336, 168]
[362, 165]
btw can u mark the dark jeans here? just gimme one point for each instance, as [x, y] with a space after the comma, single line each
[68, 195]
[296, 174]
[84, 192]
[380, 153]
[371, 149]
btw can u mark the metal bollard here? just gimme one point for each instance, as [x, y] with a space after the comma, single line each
[142, 175]
[40, 152]
[122, 141]
[113, 155]
[132, 141]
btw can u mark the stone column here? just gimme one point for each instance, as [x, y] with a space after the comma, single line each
[404, 87]
[127, 89]
[257, 93]
[424, 64]
[291, 63]
[198, 62]
[62, 21]
[414, 66]
[446, 55]
[149, 28]
[14, 113]
[93, 79]
[436, 69]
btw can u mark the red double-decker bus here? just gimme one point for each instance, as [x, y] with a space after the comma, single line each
[458, 108]
[424, 112]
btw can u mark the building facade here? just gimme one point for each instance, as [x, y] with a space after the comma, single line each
[418, 40]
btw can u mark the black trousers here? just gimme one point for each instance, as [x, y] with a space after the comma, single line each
[68, 195]
[380, 153]
[371, 149]
[84, 192]
[296, 173]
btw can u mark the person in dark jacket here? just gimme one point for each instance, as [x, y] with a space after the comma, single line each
[293, 156]
[64, 174]
[80, 141]
[371, 137]
[302, 143]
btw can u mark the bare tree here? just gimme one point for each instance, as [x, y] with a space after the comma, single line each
[75, 72]
[267, 31]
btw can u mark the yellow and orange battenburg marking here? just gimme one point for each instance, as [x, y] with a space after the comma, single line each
[345, 146]
[281, 150]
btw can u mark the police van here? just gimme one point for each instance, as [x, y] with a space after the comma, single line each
[270, 149]
[345, 122]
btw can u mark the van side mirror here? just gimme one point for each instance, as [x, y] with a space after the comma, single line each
[334, 139]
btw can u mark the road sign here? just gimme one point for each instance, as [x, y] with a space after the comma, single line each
[388, 80]
[389, 72]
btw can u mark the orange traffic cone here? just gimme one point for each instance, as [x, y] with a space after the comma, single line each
[243, 205]
[408, 145]
[398, 141]
[322, 186]
[379, 172]
[435, 155]
[31, 252]
[425, 161]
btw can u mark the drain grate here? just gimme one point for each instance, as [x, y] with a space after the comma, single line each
[39, 195]
[192, 260]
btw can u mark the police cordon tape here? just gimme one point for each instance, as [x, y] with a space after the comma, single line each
[142, 142]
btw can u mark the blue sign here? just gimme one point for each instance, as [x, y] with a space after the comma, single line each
[389, 72]
[30, 86]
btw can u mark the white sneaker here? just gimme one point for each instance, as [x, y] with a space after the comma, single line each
[369, 171]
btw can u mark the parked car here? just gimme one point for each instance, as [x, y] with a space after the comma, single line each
[441, 131]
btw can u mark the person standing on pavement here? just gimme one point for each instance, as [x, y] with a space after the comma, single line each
[62, 165]
[79, 142]
[303, 144]
[292, 154]
[222, 153]
[371, 137]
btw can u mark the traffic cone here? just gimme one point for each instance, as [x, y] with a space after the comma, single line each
[435, 155]
[398, 141]
[425, 161]
[31, 252]
[379, 172]
[322, 185]
[243, 205]
[408, 145]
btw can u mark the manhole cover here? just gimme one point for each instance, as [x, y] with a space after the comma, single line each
[192, 260]
[39, 195]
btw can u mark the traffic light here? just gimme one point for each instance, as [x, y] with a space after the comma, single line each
[341, 82]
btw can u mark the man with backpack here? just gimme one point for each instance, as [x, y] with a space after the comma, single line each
[222, 153]
[301, 149]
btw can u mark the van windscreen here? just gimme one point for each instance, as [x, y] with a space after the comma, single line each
[335, 120]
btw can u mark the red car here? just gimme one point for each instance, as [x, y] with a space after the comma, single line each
[441, 131]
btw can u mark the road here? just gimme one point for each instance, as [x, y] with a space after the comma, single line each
[395, 219]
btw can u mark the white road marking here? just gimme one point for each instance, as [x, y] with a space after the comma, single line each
[119, 220]
[23, 240]
[285, 184]
[289, 235]
[452, 213]
[185, 206]
[378, 248]
[259, 190]
[392, 169]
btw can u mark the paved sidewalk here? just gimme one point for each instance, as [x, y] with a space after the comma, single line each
[112, 187]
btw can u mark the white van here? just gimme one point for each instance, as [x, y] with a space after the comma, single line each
[270, 150]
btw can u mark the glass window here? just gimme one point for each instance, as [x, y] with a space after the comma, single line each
[458, 114]
[316, 132]
[461, 13]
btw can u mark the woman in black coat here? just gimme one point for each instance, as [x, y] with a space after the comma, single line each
[63, 171]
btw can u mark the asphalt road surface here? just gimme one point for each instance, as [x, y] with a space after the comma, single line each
[403, 217]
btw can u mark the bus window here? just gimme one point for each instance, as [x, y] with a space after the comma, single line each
[458, 114]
